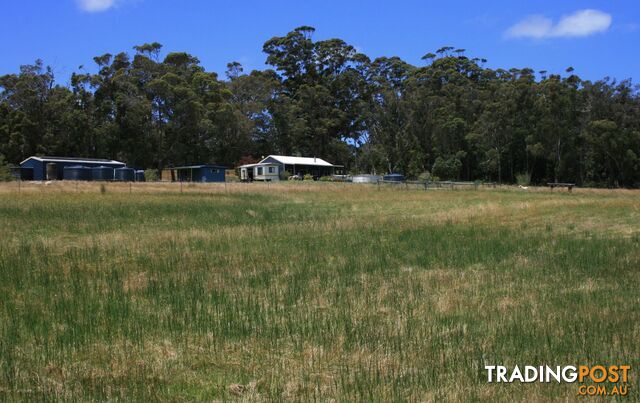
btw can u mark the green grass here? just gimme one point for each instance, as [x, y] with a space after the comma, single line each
[333, 292]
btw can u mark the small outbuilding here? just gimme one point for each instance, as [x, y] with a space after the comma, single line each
[198, 173]
[53, 168]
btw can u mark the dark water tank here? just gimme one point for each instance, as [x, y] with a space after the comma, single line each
[394, 178]
[140, 176]
[125, 174]
[76, 173]
[102, 173]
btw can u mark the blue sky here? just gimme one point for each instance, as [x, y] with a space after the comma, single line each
[597, 38]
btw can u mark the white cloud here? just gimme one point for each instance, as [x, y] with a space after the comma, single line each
[95, 6]
[535, 26]
[580, 23]
[583, 23]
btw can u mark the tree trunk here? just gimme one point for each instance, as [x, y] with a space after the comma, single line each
[499, 166]
[557, 165]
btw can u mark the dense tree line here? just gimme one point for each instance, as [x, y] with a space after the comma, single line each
[451, 117]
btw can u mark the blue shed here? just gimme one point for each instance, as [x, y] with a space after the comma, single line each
[52, 168]
[199, 173]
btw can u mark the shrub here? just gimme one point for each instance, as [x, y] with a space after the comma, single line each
[425, 176]
[448, 169]
[523, 179]
[231, 177]
[284, 175]
[308, 177]
[326, 179]
[151, 175]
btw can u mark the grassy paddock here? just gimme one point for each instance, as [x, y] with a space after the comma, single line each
[310, 291]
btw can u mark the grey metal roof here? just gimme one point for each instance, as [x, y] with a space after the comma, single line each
[198, 166]
[262, 164]
[75, 160]
[289, 160]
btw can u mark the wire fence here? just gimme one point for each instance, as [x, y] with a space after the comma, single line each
[228, 187]
[436, 185]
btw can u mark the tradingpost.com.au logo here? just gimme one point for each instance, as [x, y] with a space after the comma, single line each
[590, 378]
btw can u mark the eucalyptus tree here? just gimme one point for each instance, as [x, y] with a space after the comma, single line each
[451, 116]
[388, 120]
[323, 93]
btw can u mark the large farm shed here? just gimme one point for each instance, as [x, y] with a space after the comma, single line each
[271, 168]
[53, 168]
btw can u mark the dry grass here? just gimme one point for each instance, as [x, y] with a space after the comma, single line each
[309, 291]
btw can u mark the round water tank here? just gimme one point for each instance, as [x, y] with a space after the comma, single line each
[124, 174]
[394, 178]
[102, 173]
[140, 176]
[365, 179]
[76, 173]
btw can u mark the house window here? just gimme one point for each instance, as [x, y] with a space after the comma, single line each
[215, 170]
[271, 170]
[259, 170]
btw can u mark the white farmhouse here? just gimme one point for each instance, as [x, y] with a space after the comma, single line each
[272, 167]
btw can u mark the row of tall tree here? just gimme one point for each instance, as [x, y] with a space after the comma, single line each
[452, 117]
